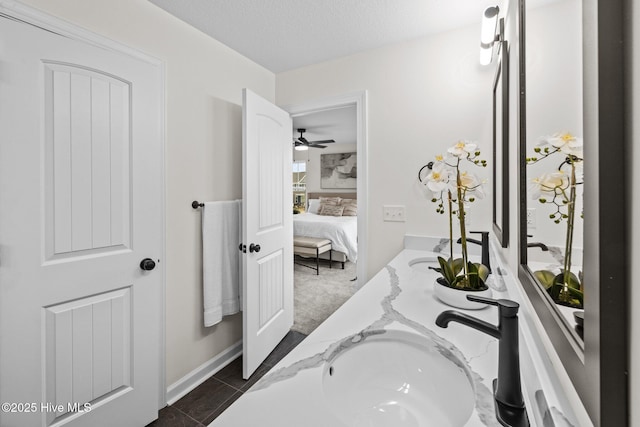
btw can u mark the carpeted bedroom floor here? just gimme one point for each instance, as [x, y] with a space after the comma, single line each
[316, 297]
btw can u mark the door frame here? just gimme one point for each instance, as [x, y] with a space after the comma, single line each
[359, 99]
[31, 16]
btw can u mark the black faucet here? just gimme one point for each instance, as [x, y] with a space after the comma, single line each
[540, 245]
[507, 391]
[485, 246]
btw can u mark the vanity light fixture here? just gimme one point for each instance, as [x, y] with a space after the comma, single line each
[488, 34]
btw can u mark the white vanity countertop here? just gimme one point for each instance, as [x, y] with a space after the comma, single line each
[399, 297]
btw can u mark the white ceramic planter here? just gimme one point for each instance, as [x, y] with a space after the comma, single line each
[458, 298]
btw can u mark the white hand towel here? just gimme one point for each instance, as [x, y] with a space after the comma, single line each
[221, 259]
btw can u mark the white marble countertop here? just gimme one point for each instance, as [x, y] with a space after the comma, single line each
[399, 297]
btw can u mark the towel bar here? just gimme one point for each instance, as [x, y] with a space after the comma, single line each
[196, 204]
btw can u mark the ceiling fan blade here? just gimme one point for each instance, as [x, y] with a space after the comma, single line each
[326, 141]
[315, 144]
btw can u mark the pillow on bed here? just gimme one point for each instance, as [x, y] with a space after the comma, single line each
[331, 210]
[334, 201]
[314, 206]
[350, 210]
[350, 207]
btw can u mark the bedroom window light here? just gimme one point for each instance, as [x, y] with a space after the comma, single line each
[299, 185]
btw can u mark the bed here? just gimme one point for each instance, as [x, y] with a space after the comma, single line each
[341, 230]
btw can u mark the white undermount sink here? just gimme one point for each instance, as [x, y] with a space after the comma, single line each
[397, 379]
[423, 263]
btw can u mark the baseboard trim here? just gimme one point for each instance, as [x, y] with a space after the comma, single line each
[202, 373]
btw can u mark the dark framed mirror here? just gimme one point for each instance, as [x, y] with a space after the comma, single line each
[553, 145]
[593, 351]
[501, 142]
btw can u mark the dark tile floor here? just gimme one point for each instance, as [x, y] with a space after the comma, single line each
[207, 401]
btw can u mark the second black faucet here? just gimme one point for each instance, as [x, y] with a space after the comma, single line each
[484, 243]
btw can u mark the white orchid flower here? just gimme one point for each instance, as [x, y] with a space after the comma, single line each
[470, 184]
[565, 142]
[548, 184]
[439, 177]
[462, 149]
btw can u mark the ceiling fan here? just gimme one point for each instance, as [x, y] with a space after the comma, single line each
[302, 143]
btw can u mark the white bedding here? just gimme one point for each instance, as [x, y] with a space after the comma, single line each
[341, 230]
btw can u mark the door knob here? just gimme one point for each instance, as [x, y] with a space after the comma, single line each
[254, 248]
[147, 264]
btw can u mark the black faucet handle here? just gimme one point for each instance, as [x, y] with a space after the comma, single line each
[508, 308]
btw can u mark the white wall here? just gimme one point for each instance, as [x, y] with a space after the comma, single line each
[423, 96]
[312, 158]
[203, 151]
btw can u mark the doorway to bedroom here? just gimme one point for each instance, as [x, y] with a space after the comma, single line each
[325, 188]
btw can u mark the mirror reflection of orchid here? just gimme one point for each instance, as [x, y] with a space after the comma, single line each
[558, 189]
[453, 188]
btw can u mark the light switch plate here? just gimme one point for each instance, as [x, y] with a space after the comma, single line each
[395, 213]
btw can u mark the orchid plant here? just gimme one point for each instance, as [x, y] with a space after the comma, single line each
[454, 187]
[558, 188]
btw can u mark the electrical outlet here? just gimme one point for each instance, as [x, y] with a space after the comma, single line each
[393, 213]
[531, 218]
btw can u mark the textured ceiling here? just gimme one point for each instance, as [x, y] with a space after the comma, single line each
[338, 124]
[286, 34]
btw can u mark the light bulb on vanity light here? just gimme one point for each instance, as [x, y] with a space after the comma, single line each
[486, 54]
[488, 34]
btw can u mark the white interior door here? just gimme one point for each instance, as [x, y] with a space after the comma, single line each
[80, 208]
[267, 229]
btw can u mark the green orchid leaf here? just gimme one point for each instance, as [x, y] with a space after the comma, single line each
[577, 294]
[450, 270]
[458, 282]
[476, 280]
[472, 281]
[483, 272]
[554, 291]
[573, 281]
[447, 270]
[545, 277]
[457, 265]
[570, 297]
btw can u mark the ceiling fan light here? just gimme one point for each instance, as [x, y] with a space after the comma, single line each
[302, 147]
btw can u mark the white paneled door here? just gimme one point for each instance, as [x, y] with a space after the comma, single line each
[267, 228]
[80, 232]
